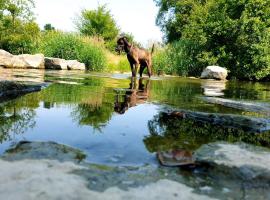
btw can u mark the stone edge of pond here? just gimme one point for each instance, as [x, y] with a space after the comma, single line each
[47, 169]
[10, 89]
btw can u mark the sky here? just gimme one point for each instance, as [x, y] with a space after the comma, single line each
[132, 16]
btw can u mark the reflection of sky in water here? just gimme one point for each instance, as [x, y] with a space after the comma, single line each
[121, 140]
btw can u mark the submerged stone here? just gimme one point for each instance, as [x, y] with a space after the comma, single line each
[248, 124]
[242, 160]
[43, 150]
[263, 108]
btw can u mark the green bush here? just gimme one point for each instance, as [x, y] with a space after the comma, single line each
[92, 56]
[177, 58]
[70, 46]
[118, 64]
[233, 34]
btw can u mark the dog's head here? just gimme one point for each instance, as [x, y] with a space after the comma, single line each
[121, 42]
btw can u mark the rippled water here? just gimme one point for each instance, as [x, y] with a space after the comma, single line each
[115, 120]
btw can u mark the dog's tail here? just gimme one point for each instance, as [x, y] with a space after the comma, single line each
[153, 49]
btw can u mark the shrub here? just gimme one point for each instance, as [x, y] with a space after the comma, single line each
[177, 58]
[70, 46]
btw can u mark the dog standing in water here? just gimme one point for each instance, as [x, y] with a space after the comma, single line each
[138, 58]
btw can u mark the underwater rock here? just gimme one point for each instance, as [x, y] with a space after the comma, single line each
[240, 160]
[43, 150]
[248, 124]
[242, 105]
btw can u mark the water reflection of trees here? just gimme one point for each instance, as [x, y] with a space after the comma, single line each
[15, 120]
[169, 132]
[96, 116]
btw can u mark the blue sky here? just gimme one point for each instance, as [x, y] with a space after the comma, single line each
[134, 16]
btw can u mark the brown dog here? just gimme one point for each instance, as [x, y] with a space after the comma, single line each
[137, 57]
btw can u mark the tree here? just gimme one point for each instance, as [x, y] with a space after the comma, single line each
[19, 33]
[230, 33]
[49, 27]
[98, 23]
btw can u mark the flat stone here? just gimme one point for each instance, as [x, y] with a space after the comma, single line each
[241, 105]
[242, 160]
[43, 150]
[249, 124]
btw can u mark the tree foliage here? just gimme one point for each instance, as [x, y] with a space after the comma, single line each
[98, 23]
[234, 34]
[18, 32]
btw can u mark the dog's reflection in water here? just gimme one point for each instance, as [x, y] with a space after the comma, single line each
[137, 93]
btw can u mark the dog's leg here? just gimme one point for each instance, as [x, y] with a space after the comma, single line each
[141, 70]
[149, 68]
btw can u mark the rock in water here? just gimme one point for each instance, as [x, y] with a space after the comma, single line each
[242, 160]
[241, 105]
[214, 72]
[56, 64]
[75, 65]
[43, 150]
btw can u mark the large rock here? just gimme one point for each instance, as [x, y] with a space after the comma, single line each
[62, 64]
[214, 72]
[242, 160]
[5, 58]
[56, 64]
[8, 60]
[75, 65]
[32, 61]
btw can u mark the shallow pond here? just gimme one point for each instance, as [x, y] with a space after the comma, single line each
[116, 120]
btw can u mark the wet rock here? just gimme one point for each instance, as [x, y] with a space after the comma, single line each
[43, 150]
[173, 158]
[242, 105]
[239, 160]
[9, 90]
[75, 65]
[248, 124]
[214, 72]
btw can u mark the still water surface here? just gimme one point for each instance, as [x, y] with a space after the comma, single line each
[115, 120]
